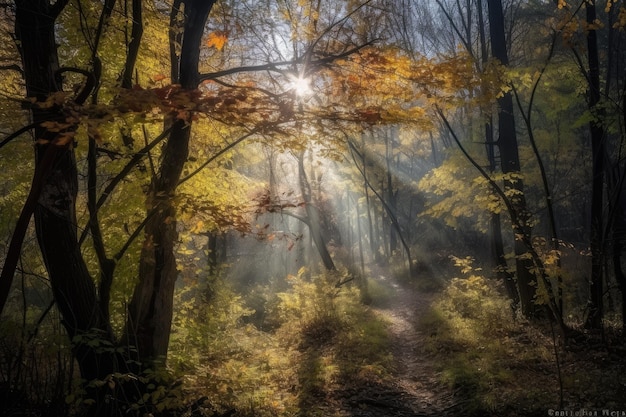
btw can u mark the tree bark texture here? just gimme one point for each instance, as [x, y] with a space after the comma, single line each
[55, 211]
[495, 224]
[55, 214]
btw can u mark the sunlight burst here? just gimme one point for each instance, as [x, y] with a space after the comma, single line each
[300, 85]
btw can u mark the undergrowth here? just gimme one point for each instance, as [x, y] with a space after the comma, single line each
[321, 337]
[35, 365]
[485, 356]
[501, 364]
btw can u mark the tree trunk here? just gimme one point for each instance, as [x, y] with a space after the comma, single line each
[495, 224]
[366, 298]
[133, 45]
[212, 258]
[370, 222]
[507, 144]
[151, 306]
[313, 216]
[391, 197]
[55, 212]
[618, 247]
[594, 317]
[499, 258]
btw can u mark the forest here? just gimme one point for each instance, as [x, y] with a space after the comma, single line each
[314, 208]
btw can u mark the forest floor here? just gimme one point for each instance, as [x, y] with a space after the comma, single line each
[425, 349]
[505, 371]
[415, 388]
[416, 372]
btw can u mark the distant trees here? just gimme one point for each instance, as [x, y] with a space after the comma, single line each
[584, 27]
[576, 38]
[313, 216]
[381, 187]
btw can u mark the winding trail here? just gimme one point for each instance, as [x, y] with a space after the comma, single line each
[415, 390]
[417, 379]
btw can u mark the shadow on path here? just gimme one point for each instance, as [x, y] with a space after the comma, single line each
[417, 380]
[360, 388]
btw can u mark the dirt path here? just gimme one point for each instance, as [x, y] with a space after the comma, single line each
[415, 390]
[417, 377]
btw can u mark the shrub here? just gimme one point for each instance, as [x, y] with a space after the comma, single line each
[477, 344]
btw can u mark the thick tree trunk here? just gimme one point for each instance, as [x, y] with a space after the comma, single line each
[495, 224]
[151, 307]
[499, 259]
[507, 144]
[55, 213]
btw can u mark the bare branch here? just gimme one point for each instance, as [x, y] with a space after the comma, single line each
[218, 154]
[18, 133]
[277, 66]
[124, 172]
[12, 67]
[90, 82]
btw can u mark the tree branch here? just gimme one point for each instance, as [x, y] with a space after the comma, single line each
[107, 266]
[464, 41]
[12, 67]
[218, 154]
[134, 235]
[276, 66]
[124, 172]
[90, 82]
[18, 133]
[42, 170]
[133, 46]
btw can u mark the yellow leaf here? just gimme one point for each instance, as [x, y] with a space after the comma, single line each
[217, 39]
[199, 227]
